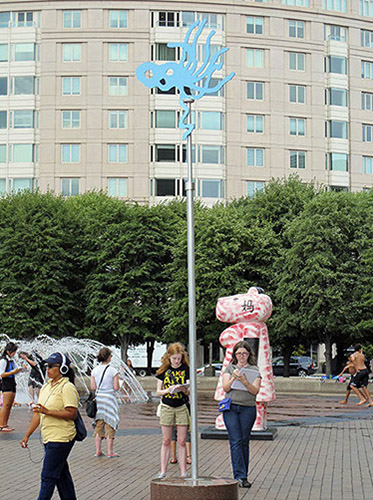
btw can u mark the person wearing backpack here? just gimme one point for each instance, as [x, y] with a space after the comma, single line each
[56, 412]
[105, 381]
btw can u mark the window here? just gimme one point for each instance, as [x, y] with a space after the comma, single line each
[71, 52]
[297, 93]
[165, 187]
[165, 152]
[184, 154]
[367, 70]
[211, 20]
[188, 18]
[254, 25]
[23, 52]
[296, 29]
[117, 119]
[3, 52]
[70, 186]
[117, 186]
[299, 3]
[211, 188]
[165, 119]
[21, 184]
[338, 189]
[72, 19]
[4, 19]
[212, 155]
[367, 101]
[22, 153]
[336, 129]
[23, 85]
[296, 61]
[118, 85]
[336, 97]
[70, 119]
[118, 52]
[3, 119]
[24, 19]
[211, 120]
[164, 53]
[71, 85]
[168, 19]
[2, 184]
[70, 153]
[366, 39]
[3, 85]
[255, 90]
[3, 153]
[337, 65]
[203, 56]
[255, 58]
[211, 84]
[117, 153]
[297, 126]
[336, 33]
[118, 18]
[255, 157]
[337, 162]
[297, 159]
[366, 8]
[254, 187]
[23, 118]
[367, 133]
[367, 165]
[255, 123]
[336, 5]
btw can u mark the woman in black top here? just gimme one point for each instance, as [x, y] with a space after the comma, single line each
[8, 370]
[173, 387]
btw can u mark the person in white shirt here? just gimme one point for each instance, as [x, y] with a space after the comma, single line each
[105, 381]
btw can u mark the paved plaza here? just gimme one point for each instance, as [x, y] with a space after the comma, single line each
[321, 452]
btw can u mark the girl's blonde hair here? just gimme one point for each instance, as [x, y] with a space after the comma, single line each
[175, 348]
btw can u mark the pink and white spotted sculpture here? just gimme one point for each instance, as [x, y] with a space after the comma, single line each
[249, 312]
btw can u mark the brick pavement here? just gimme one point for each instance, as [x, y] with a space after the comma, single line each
[332, 461]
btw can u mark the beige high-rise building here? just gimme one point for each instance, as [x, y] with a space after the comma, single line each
[73, 116]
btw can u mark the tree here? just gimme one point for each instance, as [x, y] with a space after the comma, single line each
[229, 258]
[320, 282]
[39, 280]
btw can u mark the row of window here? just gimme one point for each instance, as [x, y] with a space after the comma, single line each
[205, 188]
[19, 19]
[297, 94]
[19, 85]
[17, 52]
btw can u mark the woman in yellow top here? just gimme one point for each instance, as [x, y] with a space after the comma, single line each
[55, 412]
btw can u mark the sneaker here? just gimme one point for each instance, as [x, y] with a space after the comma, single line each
[243, 483]
[161, 475]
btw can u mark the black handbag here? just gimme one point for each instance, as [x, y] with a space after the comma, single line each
[81, 430]
[90, 404]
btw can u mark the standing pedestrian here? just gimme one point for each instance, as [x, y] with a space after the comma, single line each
[173, 388]
[105, 381]
[361, 378]
[8, 371]
[241, 383]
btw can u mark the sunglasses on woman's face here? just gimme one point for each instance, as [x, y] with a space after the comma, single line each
[52, 365]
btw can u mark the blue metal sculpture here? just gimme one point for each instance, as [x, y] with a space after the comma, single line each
[191, 81]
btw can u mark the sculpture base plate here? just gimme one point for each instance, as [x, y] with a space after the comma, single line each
[212, 433]
[203, 488]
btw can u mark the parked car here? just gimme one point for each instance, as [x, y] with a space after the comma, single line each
[216, 366]
[299, 366]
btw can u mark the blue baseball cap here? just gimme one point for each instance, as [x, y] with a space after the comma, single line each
[56, 358]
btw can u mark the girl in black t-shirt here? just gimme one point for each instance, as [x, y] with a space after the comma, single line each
[173, 387]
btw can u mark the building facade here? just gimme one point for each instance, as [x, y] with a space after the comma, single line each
[73, 116]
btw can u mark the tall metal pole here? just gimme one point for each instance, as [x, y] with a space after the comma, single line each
[192, 301]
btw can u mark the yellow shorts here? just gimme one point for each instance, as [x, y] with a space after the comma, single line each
[104, 430]
[174, 416]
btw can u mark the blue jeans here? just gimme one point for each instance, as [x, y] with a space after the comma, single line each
[239, 421]
[56, 472]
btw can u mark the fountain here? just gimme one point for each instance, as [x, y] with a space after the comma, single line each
[82, 353]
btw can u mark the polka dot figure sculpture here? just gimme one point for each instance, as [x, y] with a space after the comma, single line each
[248, 312]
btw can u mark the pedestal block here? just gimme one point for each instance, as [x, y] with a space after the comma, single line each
[203, 488]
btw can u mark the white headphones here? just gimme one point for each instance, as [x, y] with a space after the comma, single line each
[63, 368]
